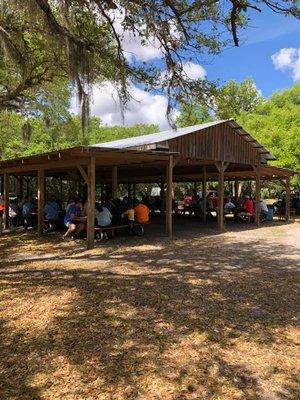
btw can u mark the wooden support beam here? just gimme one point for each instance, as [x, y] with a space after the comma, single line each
[221, 168]
[21, 185]
[257, 197]
[2, 185]
[114, 184]
[73, 182]
[102, 193]
[61, 191]
[204, 184]
[169, 199]
[41, 199]
[129, 189]
[162, 194]
[134, 190]
[83, 173]
[195, 188]
[91, 184]
[287, 199]
[236, 189]
[6, 200]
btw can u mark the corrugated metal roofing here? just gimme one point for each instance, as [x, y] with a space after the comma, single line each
[155, 137]
[161, 137]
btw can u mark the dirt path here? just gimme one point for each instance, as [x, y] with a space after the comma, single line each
[212, 317]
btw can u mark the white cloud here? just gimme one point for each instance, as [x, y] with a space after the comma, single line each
[288, 59]
[194, 71]
[144, 107]
[132, 44]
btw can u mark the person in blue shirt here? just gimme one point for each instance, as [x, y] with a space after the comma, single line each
[51, 211]
[28, 209]
[73, 215]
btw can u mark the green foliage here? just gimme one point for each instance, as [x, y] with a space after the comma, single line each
[56, 132]
[275, 124]
[82, 41]
[193, 115]
[235, 98]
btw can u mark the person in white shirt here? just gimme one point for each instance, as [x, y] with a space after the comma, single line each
[103, 216]
[263, 209]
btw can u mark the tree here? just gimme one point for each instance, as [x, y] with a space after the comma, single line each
[275, 124]
[193, 115]
[57, 129]
[229, 101]
[83, 41]
[235, 98]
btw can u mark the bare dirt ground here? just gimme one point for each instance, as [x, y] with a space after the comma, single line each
[203, 317]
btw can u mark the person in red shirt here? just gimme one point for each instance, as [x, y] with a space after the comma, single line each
[249, 206]
[2, 206]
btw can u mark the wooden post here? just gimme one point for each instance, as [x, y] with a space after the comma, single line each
[114, 185]
[162, 194]
[2, 186]
[236, 189]
[169, 199]
[129, 189]
[204, 178]
[257, 197]
[195, 189]
[221, 169]
[73, 182]
[41, 200]
[61, 192]
[6, 199]
[134, 191]
[287, 199]
[91, 204]
[21, 187]
[102, 193]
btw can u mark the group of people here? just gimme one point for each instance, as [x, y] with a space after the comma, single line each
[23, 212]
[116, 212]
[242, 209]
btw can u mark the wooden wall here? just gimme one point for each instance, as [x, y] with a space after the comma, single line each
[220, 143]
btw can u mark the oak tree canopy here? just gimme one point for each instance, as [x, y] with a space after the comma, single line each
[45, 42]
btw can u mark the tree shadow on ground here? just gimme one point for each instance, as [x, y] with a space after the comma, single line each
[162, 328]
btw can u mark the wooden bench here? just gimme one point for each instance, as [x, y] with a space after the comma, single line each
[135, 228]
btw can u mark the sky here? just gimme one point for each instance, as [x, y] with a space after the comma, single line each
[269, 53]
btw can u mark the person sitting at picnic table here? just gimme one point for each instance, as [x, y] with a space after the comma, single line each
[129, 215]
[187, 203]
[13, 212]
[209, 206]
[27, 212]
[73, 219]
[102, 215]
[2, 207]
[249, 205]
[247, 212]
[51, 211]
[263, 210]
[229, 206]
[141, 213]
[117, 211]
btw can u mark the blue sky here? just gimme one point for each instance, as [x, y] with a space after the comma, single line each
[269, 34]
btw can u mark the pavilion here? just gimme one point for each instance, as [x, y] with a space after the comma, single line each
[219, 151]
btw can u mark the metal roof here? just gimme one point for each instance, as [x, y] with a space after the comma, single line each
[164, 136]
[155, 137]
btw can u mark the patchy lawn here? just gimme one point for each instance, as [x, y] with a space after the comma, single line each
[205, 317]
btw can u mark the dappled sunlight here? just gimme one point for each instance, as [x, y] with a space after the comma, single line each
[201, 319]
